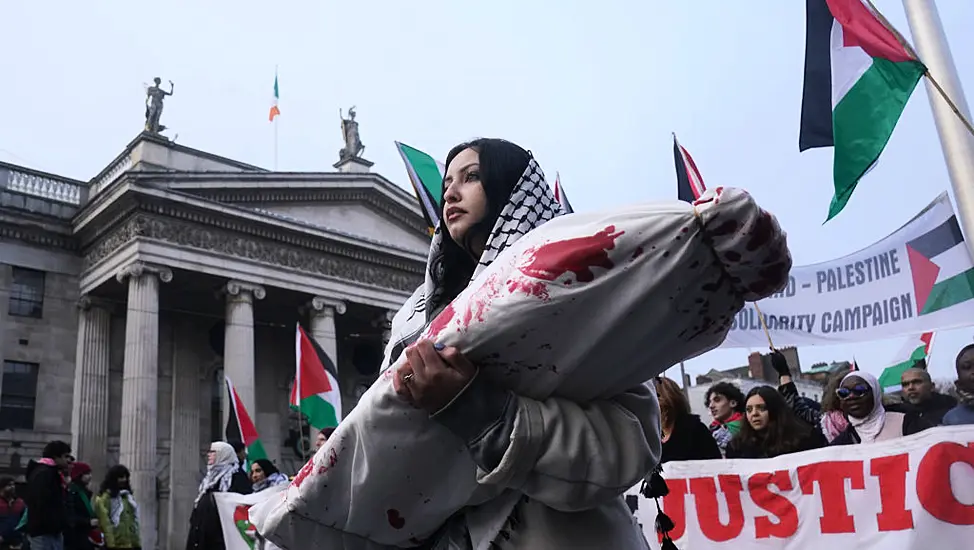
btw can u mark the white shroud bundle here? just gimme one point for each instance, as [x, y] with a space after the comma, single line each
[584, 307]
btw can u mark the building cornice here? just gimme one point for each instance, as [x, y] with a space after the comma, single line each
[37, 236]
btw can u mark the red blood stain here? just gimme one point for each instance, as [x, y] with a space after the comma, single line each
[725, 228]
[395, 519]
[304, 473]
[637, 253]
[480, 301]
[579, 255]
[440, 321]
[531, 288]
[761, 233]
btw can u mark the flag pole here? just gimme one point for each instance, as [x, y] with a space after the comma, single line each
[683, 381]
[275, 120]
[949, 107]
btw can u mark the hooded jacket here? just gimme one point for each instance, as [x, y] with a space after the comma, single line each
[46, 499]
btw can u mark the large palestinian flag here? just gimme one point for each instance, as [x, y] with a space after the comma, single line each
[315, 392]
[915, 349]
[858, 78]
[240, 427]
[426, 175]
[941, 268]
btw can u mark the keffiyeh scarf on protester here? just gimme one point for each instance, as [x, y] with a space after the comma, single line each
[869, 427]
[117, 506]
[219, 475]
[833, 424]
[531, 204]
[273, 480]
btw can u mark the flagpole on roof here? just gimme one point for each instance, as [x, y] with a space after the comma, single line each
[275, 121]
[950, 111]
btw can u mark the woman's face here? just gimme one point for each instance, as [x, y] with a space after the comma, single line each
[210, 457]
[465, 202]
[757, 413]
[855, 397]
[320, 440]
[256, 473]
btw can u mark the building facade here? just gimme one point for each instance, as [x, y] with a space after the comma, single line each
[126, 300]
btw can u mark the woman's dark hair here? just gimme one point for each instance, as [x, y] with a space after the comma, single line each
[783, 434]
[110, 483]
[672, 403]
[728, 390]
[502, 164]
[267, 466]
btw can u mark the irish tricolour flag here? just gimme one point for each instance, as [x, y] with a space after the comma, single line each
[241, 428]
[275, 107]
[858, 78]
[916, 348]
[315, 391]
[426, 175]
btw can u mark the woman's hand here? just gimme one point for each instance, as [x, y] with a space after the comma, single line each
[433, 375]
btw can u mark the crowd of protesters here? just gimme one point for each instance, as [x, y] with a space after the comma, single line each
[57, 509]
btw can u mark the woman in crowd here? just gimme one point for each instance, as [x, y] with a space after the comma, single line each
[771, 428]
[223, 474]
[685, 436]
[861, 400]
[117, 511]
[559, 469]
[83, 532]
[264, 475]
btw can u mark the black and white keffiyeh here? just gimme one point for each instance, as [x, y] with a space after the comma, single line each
[531, 204]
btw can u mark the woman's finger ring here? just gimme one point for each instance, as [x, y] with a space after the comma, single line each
[407, 377]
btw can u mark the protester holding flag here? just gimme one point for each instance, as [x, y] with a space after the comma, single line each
[861, 398]
[963, 413]
[771, 428]
[223, 474]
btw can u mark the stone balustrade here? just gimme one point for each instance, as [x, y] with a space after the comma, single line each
[39, 184]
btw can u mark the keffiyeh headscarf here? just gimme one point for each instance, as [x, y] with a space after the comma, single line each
[220, 473]
[869, 427]
[531, 204]
[272, 476]
[117, 506]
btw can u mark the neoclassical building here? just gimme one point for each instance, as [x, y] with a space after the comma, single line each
[126, 299]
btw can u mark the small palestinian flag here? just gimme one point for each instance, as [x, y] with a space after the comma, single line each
[943, 273]
[915, 349]
[426, 175]
[241, 428]
[560, 195]
[858, 78]
[315, 392]
[689, 182]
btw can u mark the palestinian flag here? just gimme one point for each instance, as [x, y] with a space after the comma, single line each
[858, 78]
[943, 273]
[689, 183]
[426, 175]
[915, 349]
[315, 391]
[560, 195]
[241, 428]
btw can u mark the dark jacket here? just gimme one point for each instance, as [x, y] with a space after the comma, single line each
[79, 520]
[205, 529]
[46, 500]
[912, 423]
[690, 440]
[932, 410]
[812, 440]
[10, 514]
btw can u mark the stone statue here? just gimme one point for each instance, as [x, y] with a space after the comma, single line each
[353, 143]
[154, 96]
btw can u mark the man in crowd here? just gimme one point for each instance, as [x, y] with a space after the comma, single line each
[45, 496]
[726, 404]
[963, 413]
[920, 397]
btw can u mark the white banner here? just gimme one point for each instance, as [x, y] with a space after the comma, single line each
[918, 279]
[238, 533]
[904, 494]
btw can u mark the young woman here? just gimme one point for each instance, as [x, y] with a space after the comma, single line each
[771, 428]
[556, 469]
[264, 475]
[223, 474]
[861, 400]
[117, 511]
[685, 437]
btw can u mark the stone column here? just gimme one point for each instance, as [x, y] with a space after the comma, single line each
[184, 457]
[89, 411]
[140, 388]
[238, 349]
[322, 313]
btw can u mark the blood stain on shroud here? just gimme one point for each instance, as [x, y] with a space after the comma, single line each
[440, 322]
[579, 255]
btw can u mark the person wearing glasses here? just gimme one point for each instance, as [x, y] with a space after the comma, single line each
[861, 399]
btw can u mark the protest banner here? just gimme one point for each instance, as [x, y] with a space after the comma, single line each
[895, 495]
[234, 509]
[918, 279]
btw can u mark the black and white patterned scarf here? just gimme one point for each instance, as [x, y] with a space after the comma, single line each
[531, 204]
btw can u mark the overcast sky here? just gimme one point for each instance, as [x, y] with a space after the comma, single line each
[594, 89]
